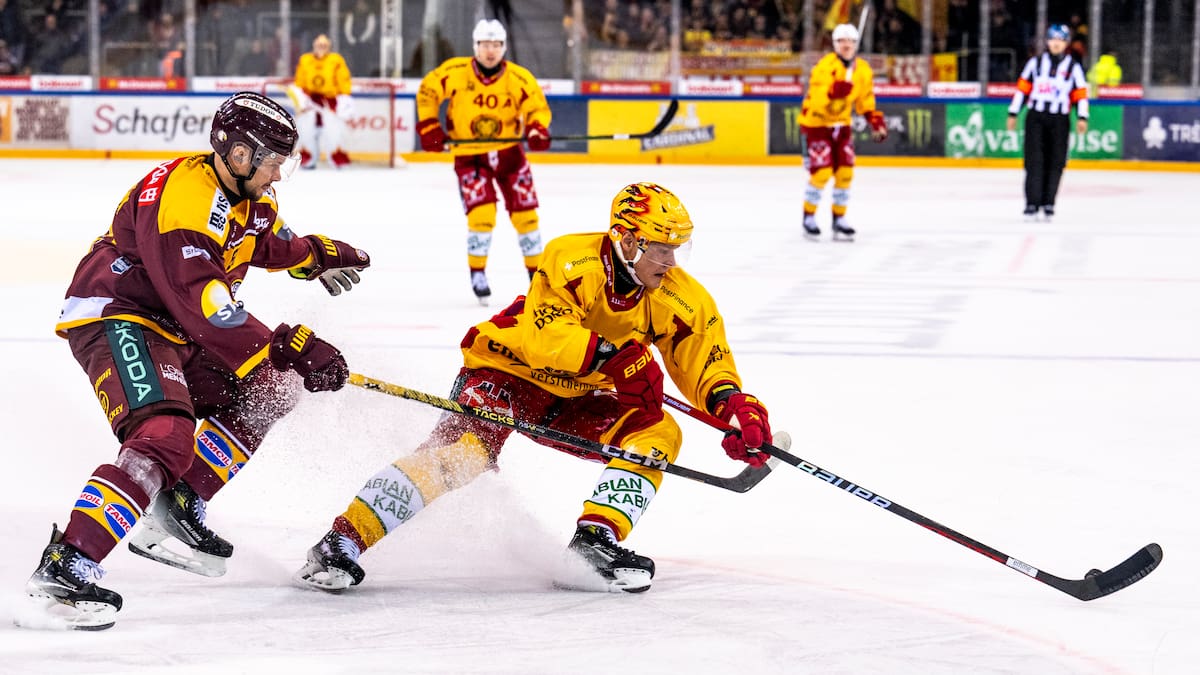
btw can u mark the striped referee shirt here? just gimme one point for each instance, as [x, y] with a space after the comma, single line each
[1049, 89]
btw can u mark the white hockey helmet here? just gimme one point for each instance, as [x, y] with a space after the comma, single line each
[845, 31]
[489, 30]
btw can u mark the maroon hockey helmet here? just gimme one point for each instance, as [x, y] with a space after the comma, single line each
[258, 122]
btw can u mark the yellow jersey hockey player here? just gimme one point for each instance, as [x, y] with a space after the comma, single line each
[840, 84]
[489, 98]
[574, 355]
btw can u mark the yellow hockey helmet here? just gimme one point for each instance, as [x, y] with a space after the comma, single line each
[652, 213]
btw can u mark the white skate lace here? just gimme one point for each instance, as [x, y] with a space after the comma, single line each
[344, 545]
[86, 569]
[479, 281]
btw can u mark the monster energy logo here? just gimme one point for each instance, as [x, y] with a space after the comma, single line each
[791, 124]
[920, 127]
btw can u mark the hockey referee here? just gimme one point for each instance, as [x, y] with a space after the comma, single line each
[1050, 84]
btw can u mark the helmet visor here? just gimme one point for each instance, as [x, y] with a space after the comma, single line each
[666, 255]
[269, 160]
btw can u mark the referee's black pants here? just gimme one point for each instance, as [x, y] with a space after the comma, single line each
[1047, 139]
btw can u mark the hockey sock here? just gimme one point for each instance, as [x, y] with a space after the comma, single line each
[219, 455]
[841, 189]
[619, 500]
[812, 191]
[393, 496]
[529, 237]
[481, 220]
[108, 507]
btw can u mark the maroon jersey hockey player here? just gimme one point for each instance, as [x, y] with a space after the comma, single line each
[152, 317]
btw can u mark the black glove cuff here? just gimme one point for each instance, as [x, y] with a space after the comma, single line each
[605, 350]
[720, 393]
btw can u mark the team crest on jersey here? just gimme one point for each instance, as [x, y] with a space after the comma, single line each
[486, 126]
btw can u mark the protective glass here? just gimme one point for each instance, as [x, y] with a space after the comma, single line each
[665, 255]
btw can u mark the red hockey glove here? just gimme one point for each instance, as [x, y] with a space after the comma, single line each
[638, 381]
[752, 419]
[879, 130]
[433, 139]
[840, 89]
[335, 263]
[318, 362]
[537, 137]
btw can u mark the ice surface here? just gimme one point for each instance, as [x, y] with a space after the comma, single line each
[1031, 385]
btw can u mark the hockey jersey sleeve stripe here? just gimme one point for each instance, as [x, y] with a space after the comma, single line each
[1024, 86]
[1078, 94]
[251, 363]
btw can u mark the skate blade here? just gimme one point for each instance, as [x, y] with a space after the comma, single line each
[811, 236]
[316, 577]
[842, 236]
[627, 581]
[575, 574]
[148, 543]
[45, 612]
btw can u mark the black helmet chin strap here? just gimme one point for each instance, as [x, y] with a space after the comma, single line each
[241, 180]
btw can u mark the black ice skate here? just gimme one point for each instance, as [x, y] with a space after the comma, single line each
[479, 284]
[179, 513]
[810, 226]
[618, 569]
[842, 230]
[1031, 212]
[64, 592]
[1047, 212]
[332, 564]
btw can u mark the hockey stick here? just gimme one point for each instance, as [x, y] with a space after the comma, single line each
[1095, 584]
[742, 482]
[659, 127]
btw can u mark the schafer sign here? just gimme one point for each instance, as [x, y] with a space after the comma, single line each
[142, 122]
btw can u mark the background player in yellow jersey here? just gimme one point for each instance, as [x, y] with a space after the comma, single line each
[489, 98]
[840, 84]
[321, 95]
[574, 356]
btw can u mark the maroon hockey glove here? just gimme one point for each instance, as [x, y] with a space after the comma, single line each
[840, 89]
[752, 419]
[638, 381]
[537, 137]
[433, 139]
[318, 362]
[335, 263]
[878, 124]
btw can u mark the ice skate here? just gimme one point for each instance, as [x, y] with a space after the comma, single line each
[1031, 212]
[332, 565]
[479, 284]
[607, 566]
[339, 159]
[842, 230]
[1047, 212]
[810, 226]
[63, 591]
[179, 513]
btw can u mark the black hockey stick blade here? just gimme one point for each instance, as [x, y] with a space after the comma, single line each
[659, 126]
[663, 122]
[1097, 585]
[742, 482]
[1094, 585]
